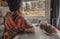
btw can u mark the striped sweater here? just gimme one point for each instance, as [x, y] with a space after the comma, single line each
[12, 27]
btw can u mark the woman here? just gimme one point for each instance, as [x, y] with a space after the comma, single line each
[14, 21]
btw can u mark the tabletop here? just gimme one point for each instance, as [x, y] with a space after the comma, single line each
[37, 35]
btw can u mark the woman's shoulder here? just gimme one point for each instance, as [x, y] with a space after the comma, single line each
[8, 14]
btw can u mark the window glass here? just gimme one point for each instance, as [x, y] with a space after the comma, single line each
[34, 8]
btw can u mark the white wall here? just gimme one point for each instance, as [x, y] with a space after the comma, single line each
[4, 10]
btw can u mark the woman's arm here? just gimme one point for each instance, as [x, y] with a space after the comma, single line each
[27, 23]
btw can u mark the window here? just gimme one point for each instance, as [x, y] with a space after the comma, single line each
[34, 8]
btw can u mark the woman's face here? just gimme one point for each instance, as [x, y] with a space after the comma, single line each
[21, 10]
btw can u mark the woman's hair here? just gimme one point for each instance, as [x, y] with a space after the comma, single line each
[14, 5]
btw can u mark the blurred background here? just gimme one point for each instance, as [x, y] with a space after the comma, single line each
[35, 11]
